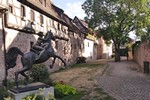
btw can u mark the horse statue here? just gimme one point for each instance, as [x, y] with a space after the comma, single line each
[32, 57]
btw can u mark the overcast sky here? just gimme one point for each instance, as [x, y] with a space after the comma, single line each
[71, 7]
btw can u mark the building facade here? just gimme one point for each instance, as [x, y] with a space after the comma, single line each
[90, 40]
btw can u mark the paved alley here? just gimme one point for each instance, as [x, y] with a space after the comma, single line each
[123, 82]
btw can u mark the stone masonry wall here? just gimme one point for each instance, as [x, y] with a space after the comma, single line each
[142, 53]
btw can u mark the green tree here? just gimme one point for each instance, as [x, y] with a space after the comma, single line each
[115, 19]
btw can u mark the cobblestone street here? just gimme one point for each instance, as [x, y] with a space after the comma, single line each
[122, 81]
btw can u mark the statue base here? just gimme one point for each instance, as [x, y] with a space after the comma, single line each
[24, 90]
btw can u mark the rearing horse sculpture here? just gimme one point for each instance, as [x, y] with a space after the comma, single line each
[29, 58]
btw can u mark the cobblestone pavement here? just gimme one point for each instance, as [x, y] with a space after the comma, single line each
[123, 82]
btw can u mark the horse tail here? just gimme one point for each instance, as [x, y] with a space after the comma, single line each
[11, 57]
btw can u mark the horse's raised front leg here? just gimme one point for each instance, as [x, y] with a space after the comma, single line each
[61, 59]
[51, 66]
[22, 72]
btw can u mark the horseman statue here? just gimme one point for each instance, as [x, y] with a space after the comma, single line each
[40, 52]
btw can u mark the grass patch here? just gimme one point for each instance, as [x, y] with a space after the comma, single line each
[82, 65]
[73, 97]
[88, 65]
[60, 70]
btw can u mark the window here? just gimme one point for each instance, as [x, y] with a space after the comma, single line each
[62, 28]
[31, 44]
[10, 9]
[41, 19]
[56, 44]
[72, 48]
[23, 13]
[58, 26]
[32, 15]
[88, 44]
[53, 24]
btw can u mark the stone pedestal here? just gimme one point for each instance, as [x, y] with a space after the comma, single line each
[34, 88]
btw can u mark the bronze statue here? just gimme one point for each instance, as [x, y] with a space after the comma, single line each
[39, 53]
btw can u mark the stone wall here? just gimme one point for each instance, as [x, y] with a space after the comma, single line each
[142, 53]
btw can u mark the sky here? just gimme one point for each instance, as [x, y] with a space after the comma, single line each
[71, 7]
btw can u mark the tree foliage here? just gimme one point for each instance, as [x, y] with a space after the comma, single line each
[115, 19]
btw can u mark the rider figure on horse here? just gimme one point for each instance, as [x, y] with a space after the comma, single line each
[41, 45]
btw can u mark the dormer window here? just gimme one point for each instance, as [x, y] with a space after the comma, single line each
[43, 2]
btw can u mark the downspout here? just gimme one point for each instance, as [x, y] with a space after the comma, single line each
[3, 12]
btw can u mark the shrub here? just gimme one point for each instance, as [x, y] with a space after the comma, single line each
[39, 73]
[113, 55]
[61, 90]
[81, 60]
[3, 92]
